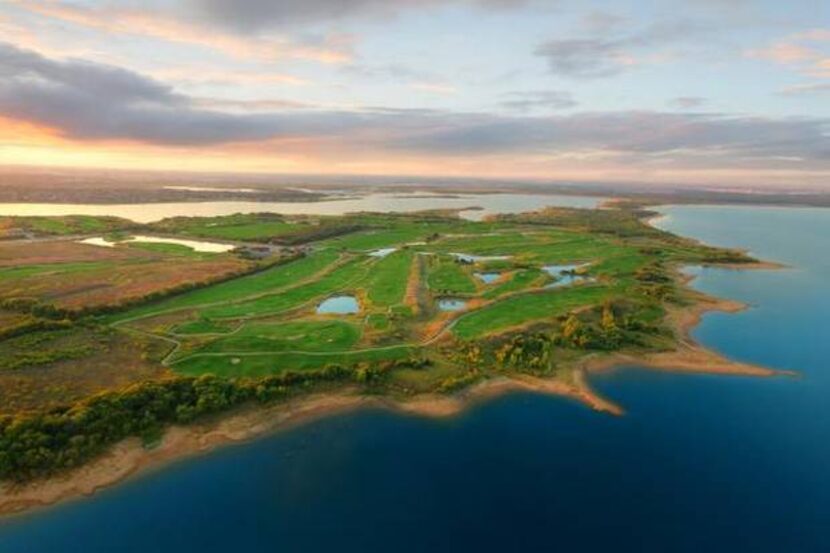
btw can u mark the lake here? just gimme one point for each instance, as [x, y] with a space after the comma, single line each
[382, 202]
[698, 463]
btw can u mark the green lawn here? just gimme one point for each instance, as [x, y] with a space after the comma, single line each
[525, 308]
[520, 280]
[267, 281]
[293, 336]
[342, 277]
[272, 363]
[387, 282]
[446, 276]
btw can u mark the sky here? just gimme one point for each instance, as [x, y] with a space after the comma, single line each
[720, 92]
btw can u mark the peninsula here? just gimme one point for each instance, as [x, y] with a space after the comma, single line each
[125, 345]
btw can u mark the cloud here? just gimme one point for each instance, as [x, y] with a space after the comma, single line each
[602, 56]
[808, 52]
[538, 100]
[784, 52]
[719, 138]
[806, 89]
[687, 102]
[90, 101]
[256, 15]
[330, 48]
[95, 101]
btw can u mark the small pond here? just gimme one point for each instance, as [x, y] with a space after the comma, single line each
[470, 258]
[383, 252]
[451, 304]
[488, 278]
[195, 245]
[339, 305]
[564, 275]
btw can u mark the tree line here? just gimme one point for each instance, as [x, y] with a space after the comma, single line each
[39, 444]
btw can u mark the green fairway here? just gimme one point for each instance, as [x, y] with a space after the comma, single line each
[253, 365]
[302, 336]
[267, 281]
[448, 276]
[387, 282]
[519, 310]
[341, 277]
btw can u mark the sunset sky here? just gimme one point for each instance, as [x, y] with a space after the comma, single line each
[733, 92]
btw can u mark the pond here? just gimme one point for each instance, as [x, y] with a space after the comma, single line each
[470, 258]
[383, 252]
[195, 245]
[488, 278]
[565, 276]
[339, 305]
[451, 304]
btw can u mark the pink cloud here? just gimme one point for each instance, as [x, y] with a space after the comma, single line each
[331, 49]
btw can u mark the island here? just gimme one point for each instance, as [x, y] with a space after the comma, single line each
[125, 345]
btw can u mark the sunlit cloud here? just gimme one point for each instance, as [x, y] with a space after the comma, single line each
[807, 51]
[334, 48]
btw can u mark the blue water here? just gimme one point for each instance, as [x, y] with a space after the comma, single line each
[488, 278]
[699, 463]
[564, 275]
[383, 252]
[451, 304]
[339, 305]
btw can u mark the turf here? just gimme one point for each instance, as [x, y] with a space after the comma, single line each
[267, 281]
[447, 276]
[520, 310]
[388, 280]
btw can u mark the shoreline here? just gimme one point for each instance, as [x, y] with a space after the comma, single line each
[130, 458]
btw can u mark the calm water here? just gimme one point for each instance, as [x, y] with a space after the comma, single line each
[142, 213]
[195, 245]
[451, 304]
[699, 463]
[488, 278]
[564, 275]
[339, 305]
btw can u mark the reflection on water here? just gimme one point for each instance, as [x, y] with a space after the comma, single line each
[98, 241]
[469, 258]
[451, 304]
[195, 245]
[488, 278]
[383, 252]
[339, 305]
[566, 275]
[146, 213]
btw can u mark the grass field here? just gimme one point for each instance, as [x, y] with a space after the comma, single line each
[388, 280]
[73, 276]
[266, 321]
[447, 276]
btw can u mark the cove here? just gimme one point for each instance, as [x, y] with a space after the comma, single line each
[697, 463]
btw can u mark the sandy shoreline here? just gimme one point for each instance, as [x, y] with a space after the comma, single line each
[129, 457]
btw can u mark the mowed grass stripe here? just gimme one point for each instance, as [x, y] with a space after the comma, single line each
[257, 365]
[389, 278]
[320, 336]
[259, 283]
[449, 277]
[526, 308]
[522, 279]
[336, 280]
